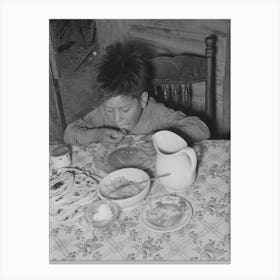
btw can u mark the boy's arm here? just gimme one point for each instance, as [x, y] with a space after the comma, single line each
[192, 127]
[83, 131]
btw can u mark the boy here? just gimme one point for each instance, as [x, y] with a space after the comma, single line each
[123, 76]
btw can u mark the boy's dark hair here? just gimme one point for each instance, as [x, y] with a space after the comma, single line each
[123, 70]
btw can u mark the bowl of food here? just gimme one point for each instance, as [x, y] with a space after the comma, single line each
[124, 187]
[101, 213]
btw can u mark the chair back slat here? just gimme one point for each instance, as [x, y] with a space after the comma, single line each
[183, 97]
[175, 95]
[155, 91]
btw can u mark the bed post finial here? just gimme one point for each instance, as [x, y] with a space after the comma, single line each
[210, 43]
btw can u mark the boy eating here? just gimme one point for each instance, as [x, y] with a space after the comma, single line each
[123, 76]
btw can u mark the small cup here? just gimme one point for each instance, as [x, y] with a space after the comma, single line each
[60, 157]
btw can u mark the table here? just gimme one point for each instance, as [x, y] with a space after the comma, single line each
[206, 238]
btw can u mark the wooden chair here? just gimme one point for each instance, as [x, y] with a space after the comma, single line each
[173, 78]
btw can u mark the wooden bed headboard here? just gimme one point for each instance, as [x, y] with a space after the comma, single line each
[174, 75]
[178, 62]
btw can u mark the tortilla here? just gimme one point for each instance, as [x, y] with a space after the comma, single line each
[60, 184]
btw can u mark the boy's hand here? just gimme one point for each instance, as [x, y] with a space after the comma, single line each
[109, 136]
[148, 146]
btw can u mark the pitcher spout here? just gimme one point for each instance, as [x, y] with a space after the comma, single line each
[167, 142]
[154, 141]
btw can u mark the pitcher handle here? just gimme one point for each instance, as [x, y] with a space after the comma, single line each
[192, 155]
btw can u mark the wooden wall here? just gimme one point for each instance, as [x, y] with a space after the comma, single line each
[55, 128]
[178, 36]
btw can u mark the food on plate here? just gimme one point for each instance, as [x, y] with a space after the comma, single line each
[127, 157]
[103, 213]
[165, 214]
[118, 189]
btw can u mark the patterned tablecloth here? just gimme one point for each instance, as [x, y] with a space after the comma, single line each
[206, 238]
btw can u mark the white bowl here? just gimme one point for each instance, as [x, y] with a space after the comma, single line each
[131, 174]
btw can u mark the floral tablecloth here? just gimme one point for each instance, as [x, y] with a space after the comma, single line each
[206, 238]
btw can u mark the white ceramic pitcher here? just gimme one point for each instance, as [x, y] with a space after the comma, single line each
[174, 157]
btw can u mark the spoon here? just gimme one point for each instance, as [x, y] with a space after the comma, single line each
[147, 180]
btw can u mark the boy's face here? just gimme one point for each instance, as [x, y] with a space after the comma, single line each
[125, 111]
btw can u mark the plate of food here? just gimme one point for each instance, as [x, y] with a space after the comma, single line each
[167, 213]
[101, 213]
[122, 186]
[128, 157]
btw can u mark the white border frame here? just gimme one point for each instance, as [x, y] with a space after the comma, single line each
[255, 137]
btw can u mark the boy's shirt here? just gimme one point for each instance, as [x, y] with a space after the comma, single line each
[155, 116]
